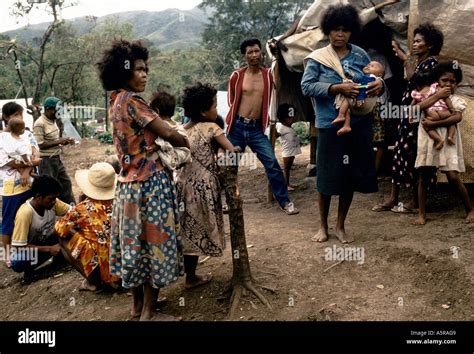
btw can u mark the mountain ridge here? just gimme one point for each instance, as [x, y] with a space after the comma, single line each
[168, 29]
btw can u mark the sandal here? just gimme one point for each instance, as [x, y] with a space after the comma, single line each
[382, 207]
[402, 209]
[289, 209]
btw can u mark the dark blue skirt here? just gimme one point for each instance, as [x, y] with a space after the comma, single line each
[346, 163]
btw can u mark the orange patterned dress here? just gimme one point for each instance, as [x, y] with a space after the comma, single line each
[91, 221]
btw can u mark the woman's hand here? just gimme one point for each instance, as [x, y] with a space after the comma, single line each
[427, 124]
[347, 89]
[399, 52]
[374, 88]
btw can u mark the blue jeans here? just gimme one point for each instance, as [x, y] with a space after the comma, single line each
[243, 135]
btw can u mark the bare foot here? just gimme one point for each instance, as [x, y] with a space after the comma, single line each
[321, 236]
[136, 310]
[344, 130]
[343, 237]
[421, 220]
[470, 217]
[86, 286]
[198, 281]
[439, 144]
[339, 119]
[451, 140]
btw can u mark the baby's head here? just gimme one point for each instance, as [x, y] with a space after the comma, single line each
[286, 114]
[163, 103]
[374, 68]
[448, 74]
[422, 79]
[16, 126]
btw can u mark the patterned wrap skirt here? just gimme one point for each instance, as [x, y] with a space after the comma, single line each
[145, 246]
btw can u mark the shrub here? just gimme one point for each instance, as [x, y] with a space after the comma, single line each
[302, 130]
[105, 138]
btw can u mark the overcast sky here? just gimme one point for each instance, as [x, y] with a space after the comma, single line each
[89, 7]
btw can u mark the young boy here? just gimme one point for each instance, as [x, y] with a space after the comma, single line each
[14, 176]
[373, 70]
[289, 140]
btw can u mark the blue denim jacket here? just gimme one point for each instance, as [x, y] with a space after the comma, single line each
[317, 78]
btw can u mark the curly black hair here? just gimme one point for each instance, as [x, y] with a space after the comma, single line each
[433, 37]
[249, 43]
[163, 102]
[451, 66]
[197, 99]
[422, 79]
[45, 185]
[117, 63]
[341, 15]
[285, 110]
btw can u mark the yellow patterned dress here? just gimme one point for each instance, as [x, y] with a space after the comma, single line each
[91, 221]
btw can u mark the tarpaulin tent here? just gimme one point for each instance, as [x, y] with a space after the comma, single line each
[453, 17]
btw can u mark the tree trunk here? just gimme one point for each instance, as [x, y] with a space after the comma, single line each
[242, 276]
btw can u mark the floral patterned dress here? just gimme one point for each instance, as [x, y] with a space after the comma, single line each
[145, 245]
[403, 169]
[202, 221]
[91, 221]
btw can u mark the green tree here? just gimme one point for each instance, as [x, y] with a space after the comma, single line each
[233, 21]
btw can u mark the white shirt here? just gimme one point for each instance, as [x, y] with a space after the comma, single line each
[290, 142]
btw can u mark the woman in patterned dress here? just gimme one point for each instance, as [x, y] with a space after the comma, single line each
[202, 221]
[85, 229]
[427, 43]
[145, 247]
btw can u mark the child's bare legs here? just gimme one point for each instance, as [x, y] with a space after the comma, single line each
[455, 182]
[6, 240]
[343, 109]
[343, 117]
[451, 134]
[421, 220]
[439, 142]
[435, 116]
[288, 163]
[192, 279]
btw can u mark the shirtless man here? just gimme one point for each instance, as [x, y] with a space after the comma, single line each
[249, 95]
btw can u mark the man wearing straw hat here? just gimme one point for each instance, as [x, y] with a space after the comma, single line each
[85, 229]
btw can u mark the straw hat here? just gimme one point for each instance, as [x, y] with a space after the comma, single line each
[98, 182]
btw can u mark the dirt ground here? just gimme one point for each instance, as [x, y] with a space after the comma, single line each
[407, 273]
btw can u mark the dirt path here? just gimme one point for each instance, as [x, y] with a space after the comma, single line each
[407, 273]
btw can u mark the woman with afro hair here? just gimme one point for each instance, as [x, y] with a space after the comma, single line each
[345, 163]
[145, 248]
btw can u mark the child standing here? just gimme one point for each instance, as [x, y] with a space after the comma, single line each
[14, 176]
[202, 222]
[289, 140]
[449, 159]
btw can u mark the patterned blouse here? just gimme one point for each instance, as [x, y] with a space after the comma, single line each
[130, 114]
